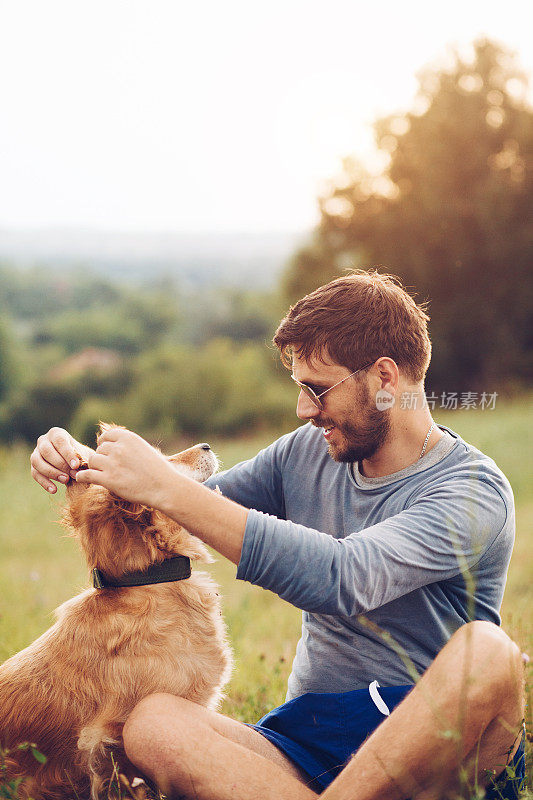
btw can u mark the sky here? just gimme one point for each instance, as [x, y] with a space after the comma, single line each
[160, 115]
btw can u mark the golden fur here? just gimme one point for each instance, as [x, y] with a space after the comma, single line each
[71, 691]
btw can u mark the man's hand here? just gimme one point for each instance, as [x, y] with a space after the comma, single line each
[56, 458]
[131, 468]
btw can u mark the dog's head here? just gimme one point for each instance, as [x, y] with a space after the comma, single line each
[118, 537]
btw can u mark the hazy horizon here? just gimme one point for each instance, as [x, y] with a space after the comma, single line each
[243, 259]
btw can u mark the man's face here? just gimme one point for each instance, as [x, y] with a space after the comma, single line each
[353, 427]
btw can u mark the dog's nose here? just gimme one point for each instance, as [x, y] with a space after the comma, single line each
[204, 446]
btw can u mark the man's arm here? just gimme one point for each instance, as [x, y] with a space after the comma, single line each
[443, 535]
[216, 520]
[256, 483]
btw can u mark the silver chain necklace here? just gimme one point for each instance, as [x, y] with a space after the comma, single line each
[426, 441]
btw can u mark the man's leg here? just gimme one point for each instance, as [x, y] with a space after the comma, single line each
[466, 710]
[471, 694]
[192, 752]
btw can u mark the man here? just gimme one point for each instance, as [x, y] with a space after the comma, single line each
[389, 531]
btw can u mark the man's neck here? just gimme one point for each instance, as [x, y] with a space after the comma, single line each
[404, 446]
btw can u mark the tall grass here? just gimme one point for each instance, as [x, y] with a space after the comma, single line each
[40, 565]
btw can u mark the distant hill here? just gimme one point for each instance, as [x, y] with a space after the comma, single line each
[228, 259]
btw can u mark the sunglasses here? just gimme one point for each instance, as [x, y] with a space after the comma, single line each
[314, 397]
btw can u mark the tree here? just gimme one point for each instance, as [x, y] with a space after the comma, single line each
[8, 367]
[451, 214]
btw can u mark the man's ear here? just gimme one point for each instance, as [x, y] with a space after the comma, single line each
[389, 374]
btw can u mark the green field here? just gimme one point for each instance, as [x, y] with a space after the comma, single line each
[41, 566]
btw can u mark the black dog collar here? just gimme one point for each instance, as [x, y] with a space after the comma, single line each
[173, 569]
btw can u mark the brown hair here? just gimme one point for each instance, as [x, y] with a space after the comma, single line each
[355, 320]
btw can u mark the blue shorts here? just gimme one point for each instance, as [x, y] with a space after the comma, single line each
[319, 733]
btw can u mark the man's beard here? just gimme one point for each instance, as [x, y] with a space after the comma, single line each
[364, 439]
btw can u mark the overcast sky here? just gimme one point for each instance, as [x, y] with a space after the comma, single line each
[164, 115]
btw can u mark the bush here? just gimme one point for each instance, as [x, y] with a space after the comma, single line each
[220, 388]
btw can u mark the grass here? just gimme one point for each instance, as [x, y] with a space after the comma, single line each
[41, 567]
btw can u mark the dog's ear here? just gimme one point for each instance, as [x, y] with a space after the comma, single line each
[110, 530]
[72, 511]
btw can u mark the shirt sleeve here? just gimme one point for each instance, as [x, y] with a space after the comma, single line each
[444, 533]
[256, 483]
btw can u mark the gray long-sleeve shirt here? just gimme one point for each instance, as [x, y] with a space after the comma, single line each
[383, 568]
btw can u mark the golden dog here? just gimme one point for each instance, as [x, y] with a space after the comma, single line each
[71, 691]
